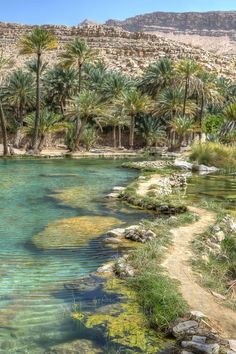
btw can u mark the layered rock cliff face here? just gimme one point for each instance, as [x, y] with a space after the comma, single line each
[211, 30]
[120, 50]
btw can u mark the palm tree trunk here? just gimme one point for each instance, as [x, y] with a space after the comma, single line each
[41, 143]
[78, 125]
[131, 136]
[37, 113]
[185, 96]
[114, 137]
[19, 135]
[201, 116]
[4, 131]
[119, 137]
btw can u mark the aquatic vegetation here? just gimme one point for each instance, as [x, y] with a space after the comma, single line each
[76, 197]
[163, 204]
[123, 323]
[214, 154]
[73, 232]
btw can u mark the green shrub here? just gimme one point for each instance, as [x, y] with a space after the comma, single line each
[214, 154]
[159, 298]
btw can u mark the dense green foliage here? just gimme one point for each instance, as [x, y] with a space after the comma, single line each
[172, 104]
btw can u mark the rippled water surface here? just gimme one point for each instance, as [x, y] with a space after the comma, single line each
[214, 188]
[36, 196]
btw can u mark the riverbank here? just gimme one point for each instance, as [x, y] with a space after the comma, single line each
[103, 152]
[216, 319]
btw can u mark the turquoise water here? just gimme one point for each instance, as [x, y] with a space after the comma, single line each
[34, 306]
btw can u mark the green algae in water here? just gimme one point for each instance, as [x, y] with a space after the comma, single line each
[74, 232]
[75, 197]
[34, 306]
[122, 322]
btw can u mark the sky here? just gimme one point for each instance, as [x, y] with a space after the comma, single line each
[72, 12]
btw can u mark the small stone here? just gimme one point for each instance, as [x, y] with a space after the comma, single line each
[185, 327]
[232, 344]
[202, 348]
[197, 315]
[113, 195]
[118, 189]
[220, 236]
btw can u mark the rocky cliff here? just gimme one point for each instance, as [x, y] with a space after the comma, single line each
[130, 52]
[210, 30]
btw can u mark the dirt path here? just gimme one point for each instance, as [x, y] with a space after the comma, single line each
[179, 267]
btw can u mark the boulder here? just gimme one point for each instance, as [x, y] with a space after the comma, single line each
[116, 232]
[184, 165]
[202, 347]
[106, 268]
[185, 327]
[139, 234]
[203, 169]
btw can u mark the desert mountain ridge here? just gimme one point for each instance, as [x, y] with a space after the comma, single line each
[213, 30]
[121, 50]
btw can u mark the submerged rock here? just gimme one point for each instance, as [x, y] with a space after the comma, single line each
[75, 197]
[82, 346]
[74, 232]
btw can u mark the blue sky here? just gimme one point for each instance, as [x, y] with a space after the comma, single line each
[71, 12]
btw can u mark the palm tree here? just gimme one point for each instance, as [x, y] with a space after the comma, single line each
[77, 54]
[114, 84]
[181, 126]
[95, 75]
[158, 76]
[170, 104]
[84, 107]
[188, 70]
[230, 114]
[20, 94]
[208, 93]
[133, 102]
[115, 119]
[37, 42]
[61, 84]
[152, 131]
[5, 63]
[49, 123]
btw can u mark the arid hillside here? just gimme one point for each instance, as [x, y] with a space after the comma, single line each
[130, 52]
[215, 31]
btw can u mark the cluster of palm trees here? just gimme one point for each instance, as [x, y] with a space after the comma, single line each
[171, 103]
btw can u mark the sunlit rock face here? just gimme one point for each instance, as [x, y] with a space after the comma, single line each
[73, 232]
[129, 52]
[210, 30]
